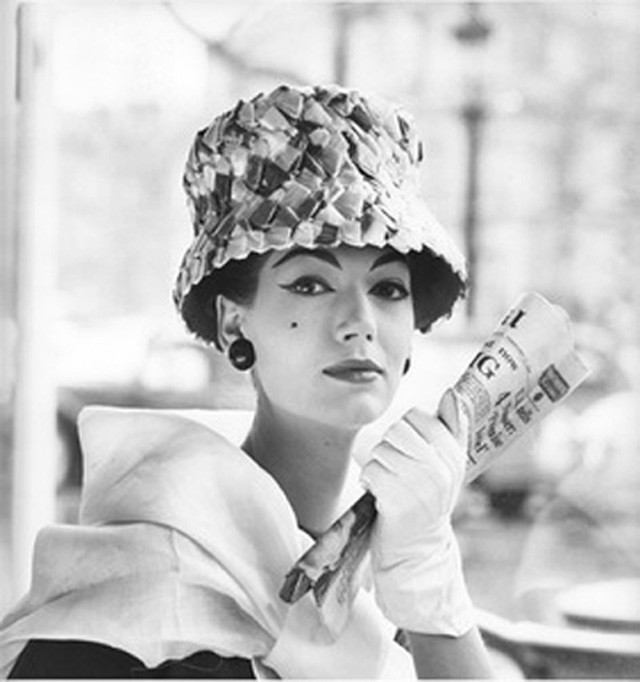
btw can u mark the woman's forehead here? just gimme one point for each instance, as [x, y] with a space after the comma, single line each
[341, 256]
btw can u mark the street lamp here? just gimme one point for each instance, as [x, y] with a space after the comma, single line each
[472, 33]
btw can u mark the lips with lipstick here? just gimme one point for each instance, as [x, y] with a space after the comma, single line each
[354, 371]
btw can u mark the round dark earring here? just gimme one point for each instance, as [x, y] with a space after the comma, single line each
[242, 354]
[407, 366]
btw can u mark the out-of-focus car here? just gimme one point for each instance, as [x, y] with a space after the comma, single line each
[561, 652]
[578, 583]
[589, 531]
[575, 611]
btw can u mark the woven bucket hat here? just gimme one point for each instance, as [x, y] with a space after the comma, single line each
[311, 167]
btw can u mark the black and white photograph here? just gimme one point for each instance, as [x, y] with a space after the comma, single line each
[319, 339]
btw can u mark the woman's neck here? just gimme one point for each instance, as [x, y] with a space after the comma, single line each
[309, 460]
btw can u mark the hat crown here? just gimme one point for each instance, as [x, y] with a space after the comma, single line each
[322, 154]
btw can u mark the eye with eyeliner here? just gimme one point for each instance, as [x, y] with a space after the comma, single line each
[390, 289]
[308, 286]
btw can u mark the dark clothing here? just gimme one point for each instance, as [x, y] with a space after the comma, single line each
[56, 659]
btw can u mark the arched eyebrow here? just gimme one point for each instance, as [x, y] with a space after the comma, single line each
[320, 254]
[388, 257]
[327, 256]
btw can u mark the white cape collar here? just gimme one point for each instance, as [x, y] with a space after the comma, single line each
[182, 546]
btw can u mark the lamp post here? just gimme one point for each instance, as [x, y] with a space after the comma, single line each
[472, 33]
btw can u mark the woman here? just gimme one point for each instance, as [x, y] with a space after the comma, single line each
[312, 264]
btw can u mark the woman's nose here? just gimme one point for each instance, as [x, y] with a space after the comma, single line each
[356, 318]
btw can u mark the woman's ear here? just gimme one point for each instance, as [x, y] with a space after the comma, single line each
[230, 316]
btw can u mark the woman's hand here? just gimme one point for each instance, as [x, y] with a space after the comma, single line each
[415, 474]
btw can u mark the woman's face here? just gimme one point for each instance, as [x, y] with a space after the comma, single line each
[332, 329]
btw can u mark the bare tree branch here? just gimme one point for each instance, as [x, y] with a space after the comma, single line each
[221, 49]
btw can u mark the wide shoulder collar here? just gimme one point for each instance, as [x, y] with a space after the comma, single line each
[173, 468]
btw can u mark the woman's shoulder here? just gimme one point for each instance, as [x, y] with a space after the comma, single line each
[116, 440]
[103, 428]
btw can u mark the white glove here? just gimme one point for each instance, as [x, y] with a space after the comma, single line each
[415, 474]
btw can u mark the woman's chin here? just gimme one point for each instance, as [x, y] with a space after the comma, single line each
[353, 415]
[343, 412]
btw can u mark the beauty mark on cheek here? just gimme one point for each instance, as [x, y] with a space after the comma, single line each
[294, 325]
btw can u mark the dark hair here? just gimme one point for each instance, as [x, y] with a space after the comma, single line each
[237, 281]
[435, 287]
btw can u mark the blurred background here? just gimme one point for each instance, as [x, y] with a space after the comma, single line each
[530, 117]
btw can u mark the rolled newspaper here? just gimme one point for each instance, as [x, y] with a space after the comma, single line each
[522, 372]
[526, 367]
